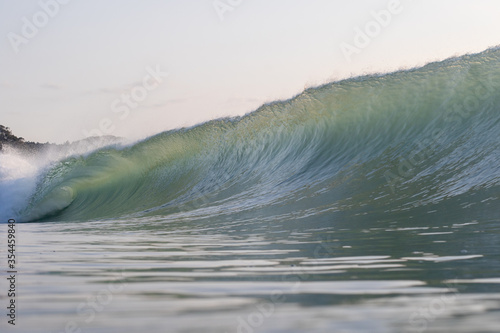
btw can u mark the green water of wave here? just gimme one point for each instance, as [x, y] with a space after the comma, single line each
[393, 143]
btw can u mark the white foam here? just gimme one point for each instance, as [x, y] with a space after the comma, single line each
[19, 172]
[18, 176]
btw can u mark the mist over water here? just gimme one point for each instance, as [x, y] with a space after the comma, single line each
[369, 204]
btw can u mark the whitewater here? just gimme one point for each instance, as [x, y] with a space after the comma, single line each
[368, 204]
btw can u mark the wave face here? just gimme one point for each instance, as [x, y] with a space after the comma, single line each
[400, 145]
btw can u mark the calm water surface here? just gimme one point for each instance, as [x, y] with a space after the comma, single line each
[181, 275]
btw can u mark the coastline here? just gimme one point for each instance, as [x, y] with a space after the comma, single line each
[8, 139]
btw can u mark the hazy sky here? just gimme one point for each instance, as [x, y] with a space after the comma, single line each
[74, 68]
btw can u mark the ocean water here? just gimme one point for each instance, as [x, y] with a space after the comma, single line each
[366, 205]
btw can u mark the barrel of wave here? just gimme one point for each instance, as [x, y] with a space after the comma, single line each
[54, 202]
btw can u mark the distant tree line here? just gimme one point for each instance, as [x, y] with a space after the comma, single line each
[9, 139]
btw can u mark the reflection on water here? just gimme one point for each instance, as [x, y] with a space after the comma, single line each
[169, 275]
